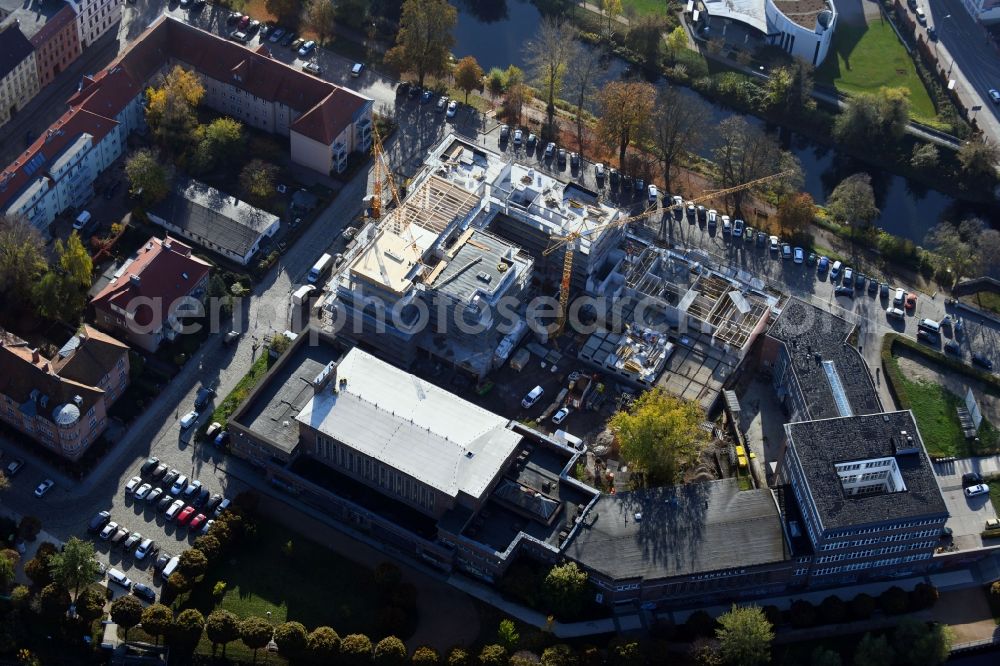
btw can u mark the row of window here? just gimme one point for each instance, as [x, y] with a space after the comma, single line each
[884, 528]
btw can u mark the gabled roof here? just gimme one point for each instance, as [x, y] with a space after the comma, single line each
[54, 26]
[162, 270]
[14, 48]
[325, 121]
[88, 356]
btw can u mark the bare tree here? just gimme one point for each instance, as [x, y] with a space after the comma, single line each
[746, 153]
[547, 55]
[626, 109]
[580, 83]
[677, 121]
[321, 16]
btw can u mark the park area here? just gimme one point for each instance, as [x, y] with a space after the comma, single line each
[865, 58]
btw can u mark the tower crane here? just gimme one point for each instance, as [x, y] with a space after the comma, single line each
[383, 173]
[556, 242]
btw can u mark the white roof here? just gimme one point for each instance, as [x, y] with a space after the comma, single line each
[411, 425]
[750, 12]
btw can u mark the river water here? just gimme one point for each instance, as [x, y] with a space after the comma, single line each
[494, 31]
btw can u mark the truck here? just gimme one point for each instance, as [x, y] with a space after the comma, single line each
[301, 295]
[580, 385]
[319, 269]
[520, 359]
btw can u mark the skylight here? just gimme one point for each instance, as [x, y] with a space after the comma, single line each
[839, 397]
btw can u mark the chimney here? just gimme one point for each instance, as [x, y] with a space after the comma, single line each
[35, 355]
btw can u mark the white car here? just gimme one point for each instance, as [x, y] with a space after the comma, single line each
[44, 487]
[560, 416]
[189, 419]
[179, 485]
[518, 137]
[899, 297]
[978, 489]
[174, 509]
[727, 225]
[132, 484]
[452, 109]
[356, 69]
[143, 491]
[207, 526]
[653, 193]
[774, 243]
[144, 549]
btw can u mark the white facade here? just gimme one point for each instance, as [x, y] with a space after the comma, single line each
[985, 11]
[804, 34]
[95, 17]
[18, 87]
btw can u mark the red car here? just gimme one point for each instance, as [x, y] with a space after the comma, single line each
[243, 23]
[184, 516]
[911, 301]
[198, 521]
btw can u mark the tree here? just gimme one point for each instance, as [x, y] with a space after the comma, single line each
[468, 75]
[507, 634]
[626, 112]
[157, 620]
[612, 9]
[862, 606]
[517, 93]
[30, 526]
[795, 213]
[61, 294]
[660, 434]
[219, 141]
[852, 203]
[257, 180]
[192, 563]
[559, 654]
[425, 656]
[626, 653]
[872, 119]
[924, 157]
[282, 9]
[745, 636]
[458, 657]
[893, 601]
[581, 78]
[255, 632]
[920, 644]
[321, 16]
[978, 158]
[90, 604]
[495, 82]
[390, 651]
[291, 639]
[746, 153]
[6, 573]
[170, 108]
[493, 655]
[803, 614]
[833, 610]
[222, 627]
[957, 254]
[37, 569]
[179, 583]
[989, 250]
[424, 40]
[677, 41]
[873, 651]
[322, 645]
[821, 656]
[75, 566]
[126, 611]
[677, 124]
[356, 649]
[148, 176]
[53, 601]
[565, 589]
[22, 258]
[187, 628]
[547, 56]
[646, 38]
[208, 545]
[789, 89]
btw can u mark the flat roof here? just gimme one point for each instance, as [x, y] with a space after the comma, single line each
[821, 445]
[831, 372]
[682, 530]
[392, 260]
[411, 425]
[480, 263]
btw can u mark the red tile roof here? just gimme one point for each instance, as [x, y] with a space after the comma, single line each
[48, 146]
[165, 271]
[54, 26]
[89, 356]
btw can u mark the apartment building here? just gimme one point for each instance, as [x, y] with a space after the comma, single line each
[62, 403]
[151, 292]
[109, 105]
[18, 71]
[56, 44]
[95, 17]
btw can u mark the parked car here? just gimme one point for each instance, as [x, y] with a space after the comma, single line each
[179, 485]
[14, 467]
[132, 484]
[99, 520]
[928, 337]
[108, 531]
[873, 287]
[119, 578]
[980, 359]
[737, 228]
[149, 466]
[289, 39]
[197, 522]
[356, 69]
[223, 505]
[895, 312]
[798, 255]
[504, 133]
[164, 502]
[532, 397]
[154, 496]
[442, 104]
[119, 536]
[144, 592]
[452, 109]
[847, 292]
[786, 251]
[212, 503]
[212, 430]
[883, 290]
[44, 487]
[560, 415]
[773, 241]
[978, 489]
[823, 265]
[189, 419]
[192, 489]
[161, 561]
[312, 68]
[599, 173]
[849, 276]
[132, 541]
[143, 491]
[169, 478]
[561, 158]
[531, 143]
[276, 36]
[953, 348]
[574, 162]
[652, 194]
[174, 509]
[185, 515]
[550, 151]
[971, 479]
[761, 239]
[994, 95]
[727, 225]
[911, 301]
[518, 136]
[306, 48]
[207, 526]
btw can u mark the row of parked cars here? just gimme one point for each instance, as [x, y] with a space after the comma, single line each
[245, 28]
[444, 104]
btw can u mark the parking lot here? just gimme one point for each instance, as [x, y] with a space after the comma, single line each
[968, 515]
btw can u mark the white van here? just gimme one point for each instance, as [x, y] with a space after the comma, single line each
[895, 312]
[170, 568]
[319, 268]
[301, 294]
[82, 221]
[930, 325]
[119, 578]
[532, 397]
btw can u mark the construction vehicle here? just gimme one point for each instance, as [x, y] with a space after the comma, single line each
[557, 242]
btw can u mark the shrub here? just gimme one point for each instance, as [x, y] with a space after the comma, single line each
[458, 657]
[893, 601]
[924, 595]
[773, 614]
[356, 649]
[862, 606]
[425, 656]
[700, 625]
[493, 655]
[833, 610]
[803, 614]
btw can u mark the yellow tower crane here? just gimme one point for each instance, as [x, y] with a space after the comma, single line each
[383, 173]
[557, 242]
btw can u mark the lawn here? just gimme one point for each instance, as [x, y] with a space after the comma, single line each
[865, 59]
[242, 388]
[306, 583]
[987, 301]
[644, 7]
